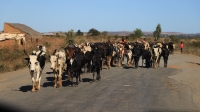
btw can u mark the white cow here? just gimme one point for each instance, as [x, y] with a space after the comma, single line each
[129, 56]
[156, 53]
[58, 65]
[35, 72]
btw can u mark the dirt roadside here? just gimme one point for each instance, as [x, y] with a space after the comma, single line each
[190, 75]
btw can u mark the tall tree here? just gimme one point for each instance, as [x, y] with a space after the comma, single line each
[138, 32]
[157, 32]
[79, 33]
[93, 32]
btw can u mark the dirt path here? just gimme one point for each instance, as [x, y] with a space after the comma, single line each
[190, 73]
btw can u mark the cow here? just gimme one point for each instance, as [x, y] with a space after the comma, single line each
[36, 64]
[136, 53]
[96, 63]
[164, 54]
[76, 63]
[88, 58]
[129, 55]
[120, 54]
[109, 51]
[157, 50]
[58, 65]
[171, 47]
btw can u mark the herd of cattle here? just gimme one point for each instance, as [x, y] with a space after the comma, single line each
[93, 56]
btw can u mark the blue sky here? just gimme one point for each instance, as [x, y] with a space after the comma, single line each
[103, 15]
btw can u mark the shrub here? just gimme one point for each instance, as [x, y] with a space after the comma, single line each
[4, 68]
[47, 44]
[17, 66]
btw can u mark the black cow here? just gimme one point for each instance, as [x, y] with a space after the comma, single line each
[171, 47]
[88, 58]
[164, 54]
[76, 63]
[137, 52]
[146, 55]
[96, 63]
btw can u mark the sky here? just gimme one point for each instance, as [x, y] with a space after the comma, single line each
[103, 15]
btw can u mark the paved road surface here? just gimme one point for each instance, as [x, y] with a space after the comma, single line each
[120, 90]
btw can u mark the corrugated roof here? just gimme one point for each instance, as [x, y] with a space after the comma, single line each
[47, 33]
[25, 29]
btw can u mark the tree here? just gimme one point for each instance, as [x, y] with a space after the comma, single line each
[93, 32]
[157, 32]
[138, 33]
[70, 34]
[79, 33]
[104, 33]
[57, 35]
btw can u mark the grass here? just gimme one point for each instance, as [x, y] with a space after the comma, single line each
[12, 58]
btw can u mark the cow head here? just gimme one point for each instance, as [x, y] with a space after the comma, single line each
[33, 63]
[53, 59]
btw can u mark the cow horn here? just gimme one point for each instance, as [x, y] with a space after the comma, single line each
[26, 52]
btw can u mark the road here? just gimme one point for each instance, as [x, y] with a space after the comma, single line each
[121, 89]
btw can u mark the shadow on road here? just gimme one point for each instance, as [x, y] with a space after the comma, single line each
[49, 72]
[86, 79]
[193, 63]
[25, 88]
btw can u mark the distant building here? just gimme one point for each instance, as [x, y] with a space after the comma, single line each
[19, 32]
[15, 28]
[44, 34]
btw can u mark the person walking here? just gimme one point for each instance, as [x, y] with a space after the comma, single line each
[181, 47]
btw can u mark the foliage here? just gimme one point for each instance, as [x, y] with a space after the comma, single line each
[47, 44]
[132, 36]
[4, 68]
[79, 33]
[17, 66]
[138, 32]
[157, 32]
[57, 35]
[70, 34]
[174, 39]
[93, 32]
[104, 33]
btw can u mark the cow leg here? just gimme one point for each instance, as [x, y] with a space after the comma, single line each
[165, 61]
[136, 62]
[33, 85]
[37, 80]
[98, 74]
[119, 62]
[158, 61]
[72, 82]
[33, 81]
[38, 86]
[79, 76]
[59, 81]
[69, 75]
[55, 79]
[108, 61]
[93, 76]
[55, 82]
